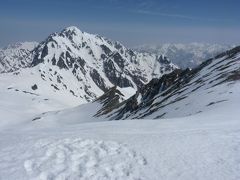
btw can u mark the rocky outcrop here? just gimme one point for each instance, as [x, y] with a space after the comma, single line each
[109, 101]
[164, 93]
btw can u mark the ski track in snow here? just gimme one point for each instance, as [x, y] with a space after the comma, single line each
[82, 159]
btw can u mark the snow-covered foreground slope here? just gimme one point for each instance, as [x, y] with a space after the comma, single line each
[203, 146]
[20, 105]
[186, 55]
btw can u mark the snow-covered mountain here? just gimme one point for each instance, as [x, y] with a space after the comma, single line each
[186, 55]
[213, 84]
[182, 93]
[16, 56]
[76, 67]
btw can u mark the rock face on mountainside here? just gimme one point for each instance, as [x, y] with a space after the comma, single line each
[105, 62]
[78, 65]
[109, 100]
[17, 56]
[183, 93]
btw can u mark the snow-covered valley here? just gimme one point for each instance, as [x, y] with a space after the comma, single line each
[203, 146]
[84, 107]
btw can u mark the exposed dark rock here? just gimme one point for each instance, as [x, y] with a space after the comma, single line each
[114, 76]
[103, 56]
[36, 118]
[212, 103]
[44, 52]
[26, 92]
[55, 87]
[176, 83]
[118, 45]
[59, 79]
[69, 59]
[105, 49]
[61, 63]
[71, 91]
[164, 60]
[34, 87]
[36, 60]
[109, 100]
[117, 58]
[98, 80]
[81, 62]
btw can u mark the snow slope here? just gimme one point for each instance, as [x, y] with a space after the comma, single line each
[20, 105]
[184, 93]
[203, 146]
[186, 55]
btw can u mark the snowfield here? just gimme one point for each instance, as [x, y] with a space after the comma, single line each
[71, 144]
[75, 158]
[203, 146]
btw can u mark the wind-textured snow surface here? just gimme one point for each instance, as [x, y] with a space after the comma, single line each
[76, 158]
[203, 146]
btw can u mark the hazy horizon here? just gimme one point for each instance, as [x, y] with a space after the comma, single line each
[131, 22]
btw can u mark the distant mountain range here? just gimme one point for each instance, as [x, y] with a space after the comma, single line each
[16, 56]
[186, 55]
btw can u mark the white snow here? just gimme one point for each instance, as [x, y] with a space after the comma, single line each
[70, 144]
[204, 146]
[76, 158]
[127, 92]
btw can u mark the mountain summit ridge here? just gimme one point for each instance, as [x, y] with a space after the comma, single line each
[84, 65]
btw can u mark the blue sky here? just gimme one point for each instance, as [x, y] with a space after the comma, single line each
[133, 22]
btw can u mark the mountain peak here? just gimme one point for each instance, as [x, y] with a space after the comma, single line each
[72, 29]
[84, 66]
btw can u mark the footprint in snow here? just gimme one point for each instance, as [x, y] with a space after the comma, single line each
[83, 159]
